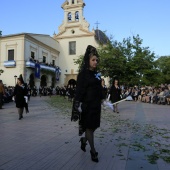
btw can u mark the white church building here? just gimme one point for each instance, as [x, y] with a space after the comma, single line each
[45, 60]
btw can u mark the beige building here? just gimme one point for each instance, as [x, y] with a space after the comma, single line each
[20, 53]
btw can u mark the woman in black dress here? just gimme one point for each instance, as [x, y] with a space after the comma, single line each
[104, 89]
[19, 92]
[115, 93]
[88, 95]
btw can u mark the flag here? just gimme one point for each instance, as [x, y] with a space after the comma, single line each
[37, 70]
[58, 72]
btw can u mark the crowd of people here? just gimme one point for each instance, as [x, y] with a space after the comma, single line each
[148, 94]
[6, 94]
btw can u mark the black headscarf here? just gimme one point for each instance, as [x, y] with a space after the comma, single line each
[21, 79]
[90, 51]
[114, 79]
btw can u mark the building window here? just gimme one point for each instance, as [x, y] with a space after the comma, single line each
[72, 1]
[10, 55]
[44, 59]
[77, 16]
[72, 47]
[69, 16]
[32, 55]
[53, 62]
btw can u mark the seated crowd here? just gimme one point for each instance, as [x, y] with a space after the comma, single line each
[8, 94]
[149, 94]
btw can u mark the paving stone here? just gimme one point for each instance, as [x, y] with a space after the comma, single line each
[45, 139]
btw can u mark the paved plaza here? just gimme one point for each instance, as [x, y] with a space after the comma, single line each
[138, 138]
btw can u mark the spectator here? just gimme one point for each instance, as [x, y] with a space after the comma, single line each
[2, 92]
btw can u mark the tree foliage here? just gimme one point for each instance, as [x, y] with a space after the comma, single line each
[132, 63]
[163, 65]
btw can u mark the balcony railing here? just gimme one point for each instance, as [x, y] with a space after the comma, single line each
[31, 64]
[11, 63]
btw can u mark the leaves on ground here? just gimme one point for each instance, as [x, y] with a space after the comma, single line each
[146, 137]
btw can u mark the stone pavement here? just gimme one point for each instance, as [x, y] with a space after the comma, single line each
[46, 139]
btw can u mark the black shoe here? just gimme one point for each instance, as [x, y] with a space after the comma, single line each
[83, 144]
[94, 156]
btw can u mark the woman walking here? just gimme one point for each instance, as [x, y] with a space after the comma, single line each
[19, 92]
[115, 93]
[88, 96]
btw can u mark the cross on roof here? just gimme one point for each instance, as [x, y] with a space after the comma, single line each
[97, 23]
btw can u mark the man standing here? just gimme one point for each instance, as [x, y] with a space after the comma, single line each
[2, 92]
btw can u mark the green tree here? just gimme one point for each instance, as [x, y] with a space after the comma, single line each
[139, 61]
[128, 60]
[163, 65]
[78, 61]
[112, 61]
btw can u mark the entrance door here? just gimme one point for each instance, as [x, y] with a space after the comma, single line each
[31, 81]
[43, 80]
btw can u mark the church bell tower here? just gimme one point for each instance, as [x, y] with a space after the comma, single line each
[73, 38]
[73, 15]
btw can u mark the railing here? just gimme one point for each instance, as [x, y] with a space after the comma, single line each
[10, 63]
[31, 64]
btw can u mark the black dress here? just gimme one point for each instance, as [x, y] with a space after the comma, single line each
[89, 92]
[115, 94]
[104, 91]
[19, 93]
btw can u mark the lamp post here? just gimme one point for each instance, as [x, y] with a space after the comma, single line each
[15, 79]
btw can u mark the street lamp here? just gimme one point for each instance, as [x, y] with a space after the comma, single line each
[15, 79]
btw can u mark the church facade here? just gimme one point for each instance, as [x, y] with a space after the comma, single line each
[45, 60]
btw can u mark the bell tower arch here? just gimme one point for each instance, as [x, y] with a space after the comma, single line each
[73, 15]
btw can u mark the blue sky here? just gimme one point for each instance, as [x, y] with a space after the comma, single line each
[119, 18]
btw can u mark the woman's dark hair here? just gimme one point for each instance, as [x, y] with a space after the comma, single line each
[20, 79]
[114, 79]
[90, 51]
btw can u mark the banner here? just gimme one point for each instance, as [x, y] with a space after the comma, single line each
[37, 70]
[58, 72]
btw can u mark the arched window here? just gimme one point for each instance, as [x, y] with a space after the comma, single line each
[69, 16]
[77, 16]
[72, 1]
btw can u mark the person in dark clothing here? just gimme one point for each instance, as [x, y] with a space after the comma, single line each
[40, 90]
[29, 92]
[2, 93]
[115, 93]
[34, 93]
[88, 95]
[104, 89]
[19, 92]
[26, 98]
